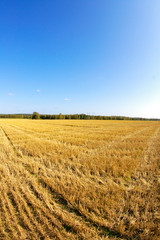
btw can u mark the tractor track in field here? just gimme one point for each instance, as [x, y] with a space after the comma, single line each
[100, 149]
[123, 138]
[150, 150]
[62, 202]
[30, 135]
[67, 208]
[145, 160]
[5, 135]
[27, 216]
[151, 143]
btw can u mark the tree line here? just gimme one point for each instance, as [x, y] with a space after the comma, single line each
[16, 116]
[36, 115]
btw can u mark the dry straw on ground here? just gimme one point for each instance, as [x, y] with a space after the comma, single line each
[71, 179]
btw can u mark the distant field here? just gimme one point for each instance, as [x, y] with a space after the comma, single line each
[79, 179]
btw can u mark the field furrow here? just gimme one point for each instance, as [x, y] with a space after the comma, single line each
[79, 179]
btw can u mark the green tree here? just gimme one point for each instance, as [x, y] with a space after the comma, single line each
[35, 115]
[60, 116]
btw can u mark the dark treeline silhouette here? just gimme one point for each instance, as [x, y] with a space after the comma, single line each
[16, 116]
[36, 115]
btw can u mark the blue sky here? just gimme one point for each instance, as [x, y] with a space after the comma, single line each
[83, 56]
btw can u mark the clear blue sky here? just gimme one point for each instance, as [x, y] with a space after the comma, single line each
[80, 56]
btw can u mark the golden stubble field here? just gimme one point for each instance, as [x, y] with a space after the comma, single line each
[79, 179]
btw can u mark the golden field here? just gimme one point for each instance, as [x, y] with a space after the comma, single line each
[79, 179]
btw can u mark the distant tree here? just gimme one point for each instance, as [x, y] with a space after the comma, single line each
[60, 116]
[82, 116]
[35, 115]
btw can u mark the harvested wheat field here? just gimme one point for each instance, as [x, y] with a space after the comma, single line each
[79, 179]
